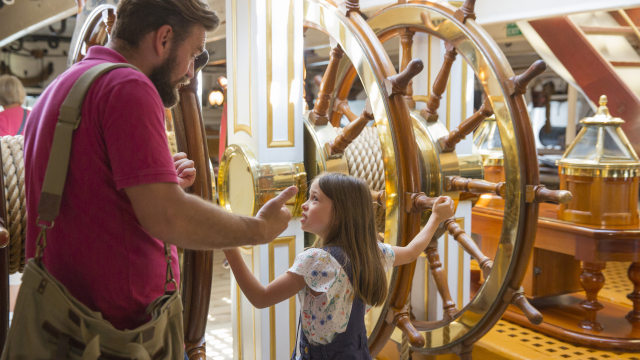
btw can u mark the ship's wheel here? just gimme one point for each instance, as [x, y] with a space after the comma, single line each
[415, 156]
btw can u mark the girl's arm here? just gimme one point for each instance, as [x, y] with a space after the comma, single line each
[280, 289]
[442, 210]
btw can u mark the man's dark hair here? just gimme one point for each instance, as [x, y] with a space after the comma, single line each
[137, 18]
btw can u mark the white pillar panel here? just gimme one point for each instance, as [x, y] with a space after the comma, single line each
[422, 81]
[280, 119]
[240, 49]
[264, 111]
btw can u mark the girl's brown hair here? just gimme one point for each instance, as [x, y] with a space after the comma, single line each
[353, 228]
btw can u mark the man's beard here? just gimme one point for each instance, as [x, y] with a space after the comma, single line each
[161, 79]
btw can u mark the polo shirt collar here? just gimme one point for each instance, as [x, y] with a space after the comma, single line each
[97, 52]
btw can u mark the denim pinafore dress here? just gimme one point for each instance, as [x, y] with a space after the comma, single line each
[349, 345]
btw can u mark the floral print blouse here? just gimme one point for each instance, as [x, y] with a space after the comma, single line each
[326, 315]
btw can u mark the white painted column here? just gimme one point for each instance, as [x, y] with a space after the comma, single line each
[572, 100]
[264, 57]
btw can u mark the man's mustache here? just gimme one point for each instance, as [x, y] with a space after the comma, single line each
[184, 81]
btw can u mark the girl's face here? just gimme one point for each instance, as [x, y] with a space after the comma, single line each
[317, 212]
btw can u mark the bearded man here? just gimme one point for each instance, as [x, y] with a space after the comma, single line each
[122, 197]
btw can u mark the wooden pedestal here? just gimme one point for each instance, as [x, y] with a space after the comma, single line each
[571, 257]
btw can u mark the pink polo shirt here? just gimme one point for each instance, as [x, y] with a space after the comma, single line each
[97, 248]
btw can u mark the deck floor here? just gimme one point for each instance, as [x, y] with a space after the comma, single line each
[218, 333]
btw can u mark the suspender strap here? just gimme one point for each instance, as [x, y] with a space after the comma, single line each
[68, 121]
[24, 120]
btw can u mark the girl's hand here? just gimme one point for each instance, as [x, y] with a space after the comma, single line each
[443, 209]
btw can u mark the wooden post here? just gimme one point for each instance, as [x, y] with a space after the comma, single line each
[634, 276]
[592, 281]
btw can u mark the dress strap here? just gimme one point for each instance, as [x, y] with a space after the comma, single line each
[24, 120]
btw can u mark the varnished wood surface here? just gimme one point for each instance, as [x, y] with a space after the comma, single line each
[591, 244]
[548, 220]
[197, 265]
[592, 203]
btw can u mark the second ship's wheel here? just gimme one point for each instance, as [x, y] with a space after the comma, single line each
[407, 137]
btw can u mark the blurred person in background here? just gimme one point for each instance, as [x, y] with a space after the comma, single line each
[14, 116]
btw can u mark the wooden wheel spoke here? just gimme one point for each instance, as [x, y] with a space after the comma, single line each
[109, 18]
[466, 11]
[475, 186]
[4, 235]
[517, 298]
[468, 245]
[517, 85]
[342, 107]
[430, 112]
[398, 84]
[378, 198]
[448, 143]
[321, 108]
[400, 318]
[415, 202]
[534, 193]
[440, 279]
[350, 132]
[539, 193]
[406, 39]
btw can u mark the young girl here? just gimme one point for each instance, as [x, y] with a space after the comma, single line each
[343, 272]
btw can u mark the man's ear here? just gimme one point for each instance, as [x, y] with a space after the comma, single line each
[162, 40]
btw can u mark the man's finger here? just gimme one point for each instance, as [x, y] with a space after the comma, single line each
[284, 196]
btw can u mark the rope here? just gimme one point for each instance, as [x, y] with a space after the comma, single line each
[17, 147]
[173, 143]
[364, 158]
[13, 171]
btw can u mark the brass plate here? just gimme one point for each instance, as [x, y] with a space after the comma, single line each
[237, 180]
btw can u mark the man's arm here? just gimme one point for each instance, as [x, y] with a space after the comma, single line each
[187, 221]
